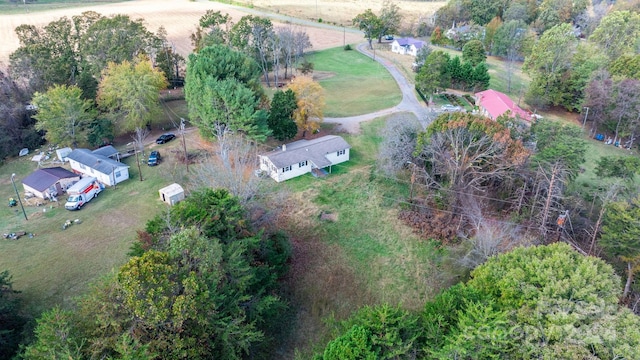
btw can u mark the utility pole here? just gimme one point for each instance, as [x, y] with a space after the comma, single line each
[184, 144]
[138, 161]
[585, 117]
[18, 195]
[113, 172]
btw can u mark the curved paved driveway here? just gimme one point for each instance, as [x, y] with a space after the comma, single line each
[409, 103]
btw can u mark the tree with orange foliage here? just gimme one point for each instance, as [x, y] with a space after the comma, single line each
[310, 101]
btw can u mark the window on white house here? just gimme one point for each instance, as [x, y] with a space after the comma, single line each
[117, 174]
[82, 167]
[285, 169]
[303, 164]
[342, 152]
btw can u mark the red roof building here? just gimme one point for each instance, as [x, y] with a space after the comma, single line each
[494, 103]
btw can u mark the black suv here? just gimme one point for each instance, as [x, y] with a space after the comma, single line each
[154, 158]
[165, 138]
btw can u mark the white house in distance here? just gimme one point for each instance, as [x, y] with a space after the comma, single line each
[406, 46]
[93, 163]
[304, 156]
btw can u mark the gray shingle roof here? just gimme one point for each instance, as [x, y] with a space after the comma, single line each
[312, 150]
[98, 162]
[108, 151]
[42, 179]
[410, 41]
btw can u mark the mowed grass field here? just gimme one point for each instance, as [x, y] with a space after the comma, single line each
[56, 265]
[353, 83]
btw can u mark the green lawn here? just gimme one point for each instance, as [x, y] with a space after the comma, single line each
[366, 256]
[588, 182]
[56, 265]
[354, 84]
[17, 7]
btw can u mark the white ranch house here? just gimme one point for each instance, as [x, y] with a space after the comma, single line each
[305, 156]
[406, 46]
[100, 164]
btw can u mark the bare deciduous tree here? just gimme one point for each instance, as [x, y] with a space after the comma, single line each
[485, 237]
[396, 150]
[275, 42]
[607, 197]
[465, 161]
[138, 140]
[549, 183]
[231, 167]
[301, 43]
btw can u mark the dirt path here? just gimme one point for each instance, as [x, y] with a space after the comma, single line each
[409, 103]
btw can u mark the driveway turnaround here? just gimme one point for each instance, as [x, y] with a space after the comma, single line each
[409, 103]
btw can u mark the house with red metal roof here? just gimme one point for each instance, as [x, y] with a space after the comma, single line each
[494, 103]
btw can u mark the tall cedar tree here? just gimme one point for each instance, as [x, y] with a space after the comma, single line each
[280, 119]
[223, 93]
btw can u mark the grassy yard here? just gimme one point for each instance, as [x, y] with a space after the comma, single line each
[17, 7]
[588, 182]
[354, 84]
[56, 265]
[366, 256]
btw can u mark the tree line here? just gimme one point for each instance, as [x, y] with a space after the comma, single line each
[535, 302]
[577, 58]
[201, 283]
[81, 82]
[70, 82]
[489, 186]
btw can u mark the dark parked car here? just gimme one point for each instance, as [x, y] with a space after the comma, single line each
[165, 138]
[154, 158]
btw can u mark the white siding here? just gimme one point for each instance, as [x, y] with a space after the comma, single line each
[29, 189]
[122, 171]
[294, 172]
[297, 169]
[396, 48]
[76, 166]
[106, 179]
[337, 159]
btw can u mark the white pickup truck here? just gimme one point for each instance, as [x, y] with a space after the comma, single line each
[82, 192]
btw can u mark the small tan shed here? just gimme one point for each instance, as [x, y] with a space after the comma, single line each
[172, 194]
